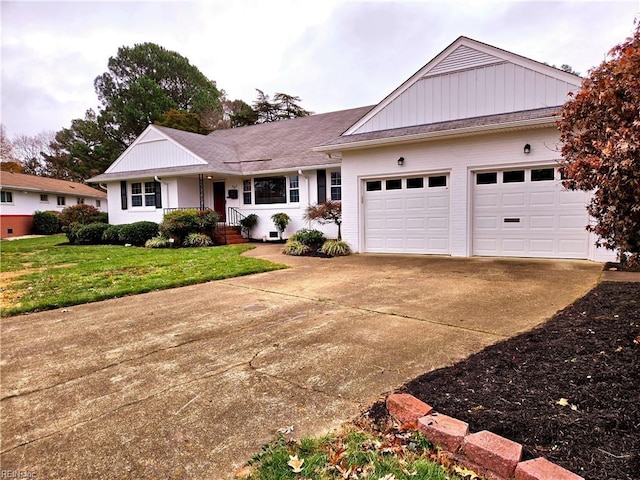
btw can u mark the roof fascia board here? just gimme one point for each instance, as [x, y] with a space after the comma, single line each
[458, 132]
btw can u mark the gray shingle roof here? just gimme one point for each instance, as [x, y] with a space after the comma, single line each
[449, 126]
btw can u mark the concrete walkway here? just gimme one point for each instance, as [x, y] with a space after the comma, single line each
[191, 382]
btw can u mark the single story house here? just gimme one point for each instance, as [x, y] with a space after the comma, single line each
[461, 159]
[21, 195]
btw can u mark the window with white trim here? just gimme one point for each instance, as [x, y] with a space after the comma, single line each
[246, 192]
[98, 203]
[6, 197]
[136, 194]
[336, 186]
[80, 201]
[149, 194]
[44, 198]
[294, 189]
[62, 201]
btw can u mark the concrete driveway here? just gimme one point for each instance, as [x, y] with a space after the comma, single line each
[191, 382]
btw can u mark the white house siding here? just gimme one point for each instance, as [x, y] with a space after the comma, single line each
[484, 90]
[154, 154]
[458, 158]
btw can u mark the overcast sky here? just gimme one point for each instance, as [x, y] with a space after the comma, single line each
[334, 54]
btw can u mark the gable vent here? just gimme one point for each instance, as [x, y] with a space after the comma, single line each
[463, 58]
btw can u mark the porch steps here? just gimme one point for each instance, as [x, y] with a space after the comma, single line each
[229, 235]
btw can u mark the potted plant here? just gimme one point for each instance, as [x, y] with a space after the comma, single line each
[248, 222]
[280, 220]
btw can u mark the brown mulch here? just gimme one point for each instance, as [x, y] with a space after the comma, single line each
[568, 390]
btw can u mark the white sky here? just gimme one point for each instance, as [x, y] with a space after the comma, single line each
[334, 54]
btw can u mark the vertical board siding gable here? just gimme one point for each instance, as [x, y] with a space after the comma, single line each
[485, 90]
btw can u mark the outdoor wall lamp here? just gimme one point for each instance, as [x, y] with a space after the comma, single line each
[527, 148]
[401, 161]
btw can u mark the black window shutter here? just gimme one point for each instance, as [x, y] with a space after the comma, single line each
[123, 195]
[322, 186]
[158, 191]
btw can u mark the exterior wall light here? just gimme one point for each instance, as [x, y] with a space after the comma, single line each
[401, 161]
[527, 148]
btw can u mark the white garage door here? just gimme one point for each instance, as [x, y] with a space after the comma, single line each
[528, 213]
[407, 215]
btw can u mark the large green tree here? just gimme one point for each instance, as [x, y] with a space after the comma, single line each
[80, 151]
[144, 82]
[600, 133]
[282, 107]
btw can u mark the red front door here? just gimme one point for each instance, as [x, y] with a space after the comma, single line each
[219, 201]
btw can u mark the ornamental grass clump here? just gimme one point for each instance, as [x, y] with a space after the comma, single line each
[197, 240]
[158, 242]
[336, 248]
[295, 248]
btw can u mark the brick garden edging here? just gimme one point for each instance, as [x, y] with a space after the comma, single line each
[486, 453]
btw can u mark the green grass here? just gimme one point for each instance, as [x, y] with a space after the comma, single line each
[366, 456]
[51, 274]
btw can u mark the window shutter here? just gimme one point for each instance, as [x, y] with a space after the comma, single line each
[123, 195]
[322, 186]
[158, 191]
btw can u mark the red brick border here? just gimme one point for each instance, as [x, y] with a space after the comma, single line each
[484, 452]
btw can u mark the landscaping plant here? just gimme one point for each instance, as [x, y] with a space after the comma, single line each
[326, 212]
[46, 223]
[158, 242]
[197, 240]
[295, 248]
[311, 238]
[112, 235]
[82, 214]
[335, 248]
[91, 234]
[247, 223]
[138, 233]
[280, 220]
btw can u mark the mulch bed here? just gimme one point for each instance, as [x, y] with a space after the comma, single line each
[568, 390]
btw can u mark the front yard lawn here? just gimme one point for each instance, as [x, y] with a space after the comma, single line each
[45, 273]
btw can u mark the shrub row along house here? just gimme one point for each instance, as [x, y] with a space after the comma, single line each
[21, 195]
[461, 160]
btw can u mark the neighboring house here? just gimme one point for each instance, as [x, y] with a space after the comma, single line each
[22, 195]
[461, 159]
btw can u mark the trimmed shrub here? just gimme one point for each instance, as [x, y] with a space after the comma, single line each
[280, 220]
[208, 221]
[336, 248]
[90, 234]
[295, 248]
[83, 214]
[112, 234]
[311, 238]
[158, 242]
[138, 233]
[197, 240]
[180, 223]
[46, 223]
[71, 231]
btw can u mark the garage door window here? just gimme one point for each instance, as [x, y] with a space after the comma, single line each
[542, 175]
[439, 181]
[374, 186]
[486, 178]
[415, 182]
[394, 184]
[514, 176]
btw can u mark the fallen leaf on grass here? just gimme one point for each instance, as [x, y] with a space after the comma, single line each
[465, 472]
[295, 463]
[243, 472]
[563, 402]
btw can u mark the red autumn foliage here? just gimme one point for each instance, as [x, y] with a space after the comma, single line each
[600, 133]
[326, 212]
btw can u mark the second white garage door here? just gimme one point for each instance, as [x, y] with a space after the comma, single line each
[528, 213]
[407, 215]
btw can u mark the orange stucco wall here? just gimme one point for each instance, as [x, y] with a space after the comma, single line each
[15, 225]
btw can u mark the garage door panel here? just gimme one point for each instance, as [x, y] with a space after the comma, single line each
[407, 220]
[551, 220]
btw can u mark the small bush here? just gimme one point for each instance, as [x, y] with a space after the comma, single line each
[46, 223]
[295, 248]
[71, 231]
[336, 248]
[311, 238]
[112, 235]
[248, 222]
[208, 221]
[82, 214]
[180, 223]
[90, 234]
[138, 233]
[158, 242]
[197, 240]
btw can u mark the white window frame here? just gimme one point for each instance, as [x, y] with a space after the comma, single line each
[6, 197]
[335, 181]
